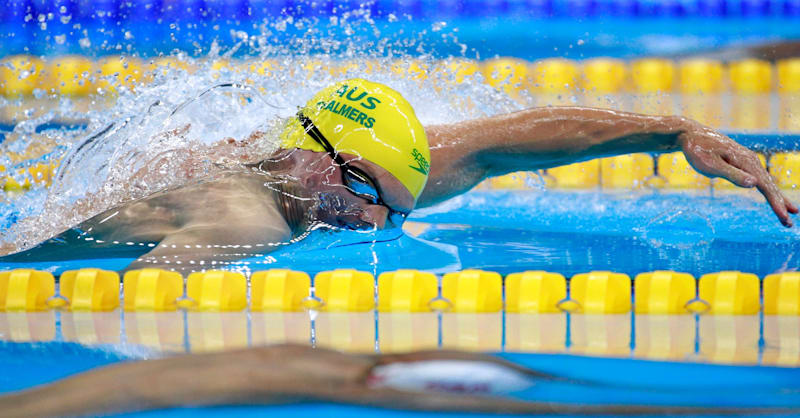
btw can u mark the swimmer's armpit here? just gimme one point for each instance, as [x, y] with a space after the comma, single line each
[285, 374]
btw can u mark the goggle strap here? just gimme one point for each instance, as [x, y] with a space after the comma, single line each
[314, 133]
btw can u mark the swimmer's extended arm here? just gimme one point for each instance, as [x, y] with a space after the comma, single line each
[283, 374]
[465, 153]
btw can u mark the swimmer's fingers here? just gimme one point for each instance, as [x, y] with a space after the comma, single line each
[741, 167]
[791, 207]
[747, 162]
[716, 166]
[778, 202]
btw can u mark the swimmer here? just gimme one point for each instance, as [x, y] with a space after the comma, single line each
[428, 381]
[357, 157]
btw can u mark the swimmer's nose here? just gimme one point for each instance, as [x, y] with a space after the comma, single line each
[394, 221]
[375, 215]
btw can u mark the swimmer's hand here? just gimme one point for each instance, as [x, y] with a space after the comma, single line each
[715, 155]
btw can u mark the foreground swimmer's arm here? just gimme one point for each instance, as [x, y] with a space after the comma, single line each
[286, 374]
[463, 154]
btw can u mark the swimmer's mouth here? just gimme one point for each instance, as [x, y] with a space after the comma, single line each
[357, 225]
[393, 221]
[360, 226]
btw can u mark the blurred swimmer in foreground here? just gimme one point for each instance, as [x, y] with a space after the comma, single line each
[427, 380]
[357, 157]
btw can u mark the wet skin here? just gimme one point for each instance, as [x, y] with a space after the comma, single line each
[465, 153]
[207, 222]
[290, 374]
[234, 216]
[462, 155]
[317, 174]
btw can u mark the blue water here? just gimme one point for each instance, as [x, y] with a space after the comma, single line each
[629, 232]
[613, 381]
[535, 29]
[561, 231]
[566, 232]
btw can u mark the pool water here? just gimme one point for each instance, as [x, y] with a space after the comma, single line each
[620, 381]
[627, 232]
[568, 232]
[690, 359]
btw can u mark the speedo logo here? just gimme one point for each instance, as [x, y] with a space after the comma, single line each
[422, 164]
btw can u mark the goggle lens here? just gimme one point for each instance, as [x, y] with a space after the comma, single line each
[360, 185]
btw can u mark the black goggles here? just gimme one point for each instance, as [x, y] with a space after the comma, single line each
[354, 179]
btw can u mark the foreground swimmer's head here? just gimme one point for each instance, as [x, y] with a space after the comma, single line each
[365, 153]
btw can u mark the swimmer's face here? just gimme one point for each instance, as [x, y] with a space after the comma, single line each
[339, 206]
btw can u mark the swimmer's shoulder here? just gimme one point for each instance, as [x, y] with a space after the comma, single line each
[241, 200]
[233, 201]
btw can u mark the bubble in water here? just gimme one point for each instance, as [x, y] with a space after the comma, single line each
[683, 229]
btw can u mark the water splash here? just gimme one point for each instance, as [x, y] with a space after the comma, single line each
[175, 128]
[681, 228]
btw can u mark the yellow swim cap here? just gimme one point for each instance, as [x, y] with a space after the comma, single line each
[370, 120]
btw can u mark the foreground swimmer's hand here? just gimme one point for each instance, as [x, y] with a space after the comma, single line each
[465, 153]
[284, 374]
[715, 155]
